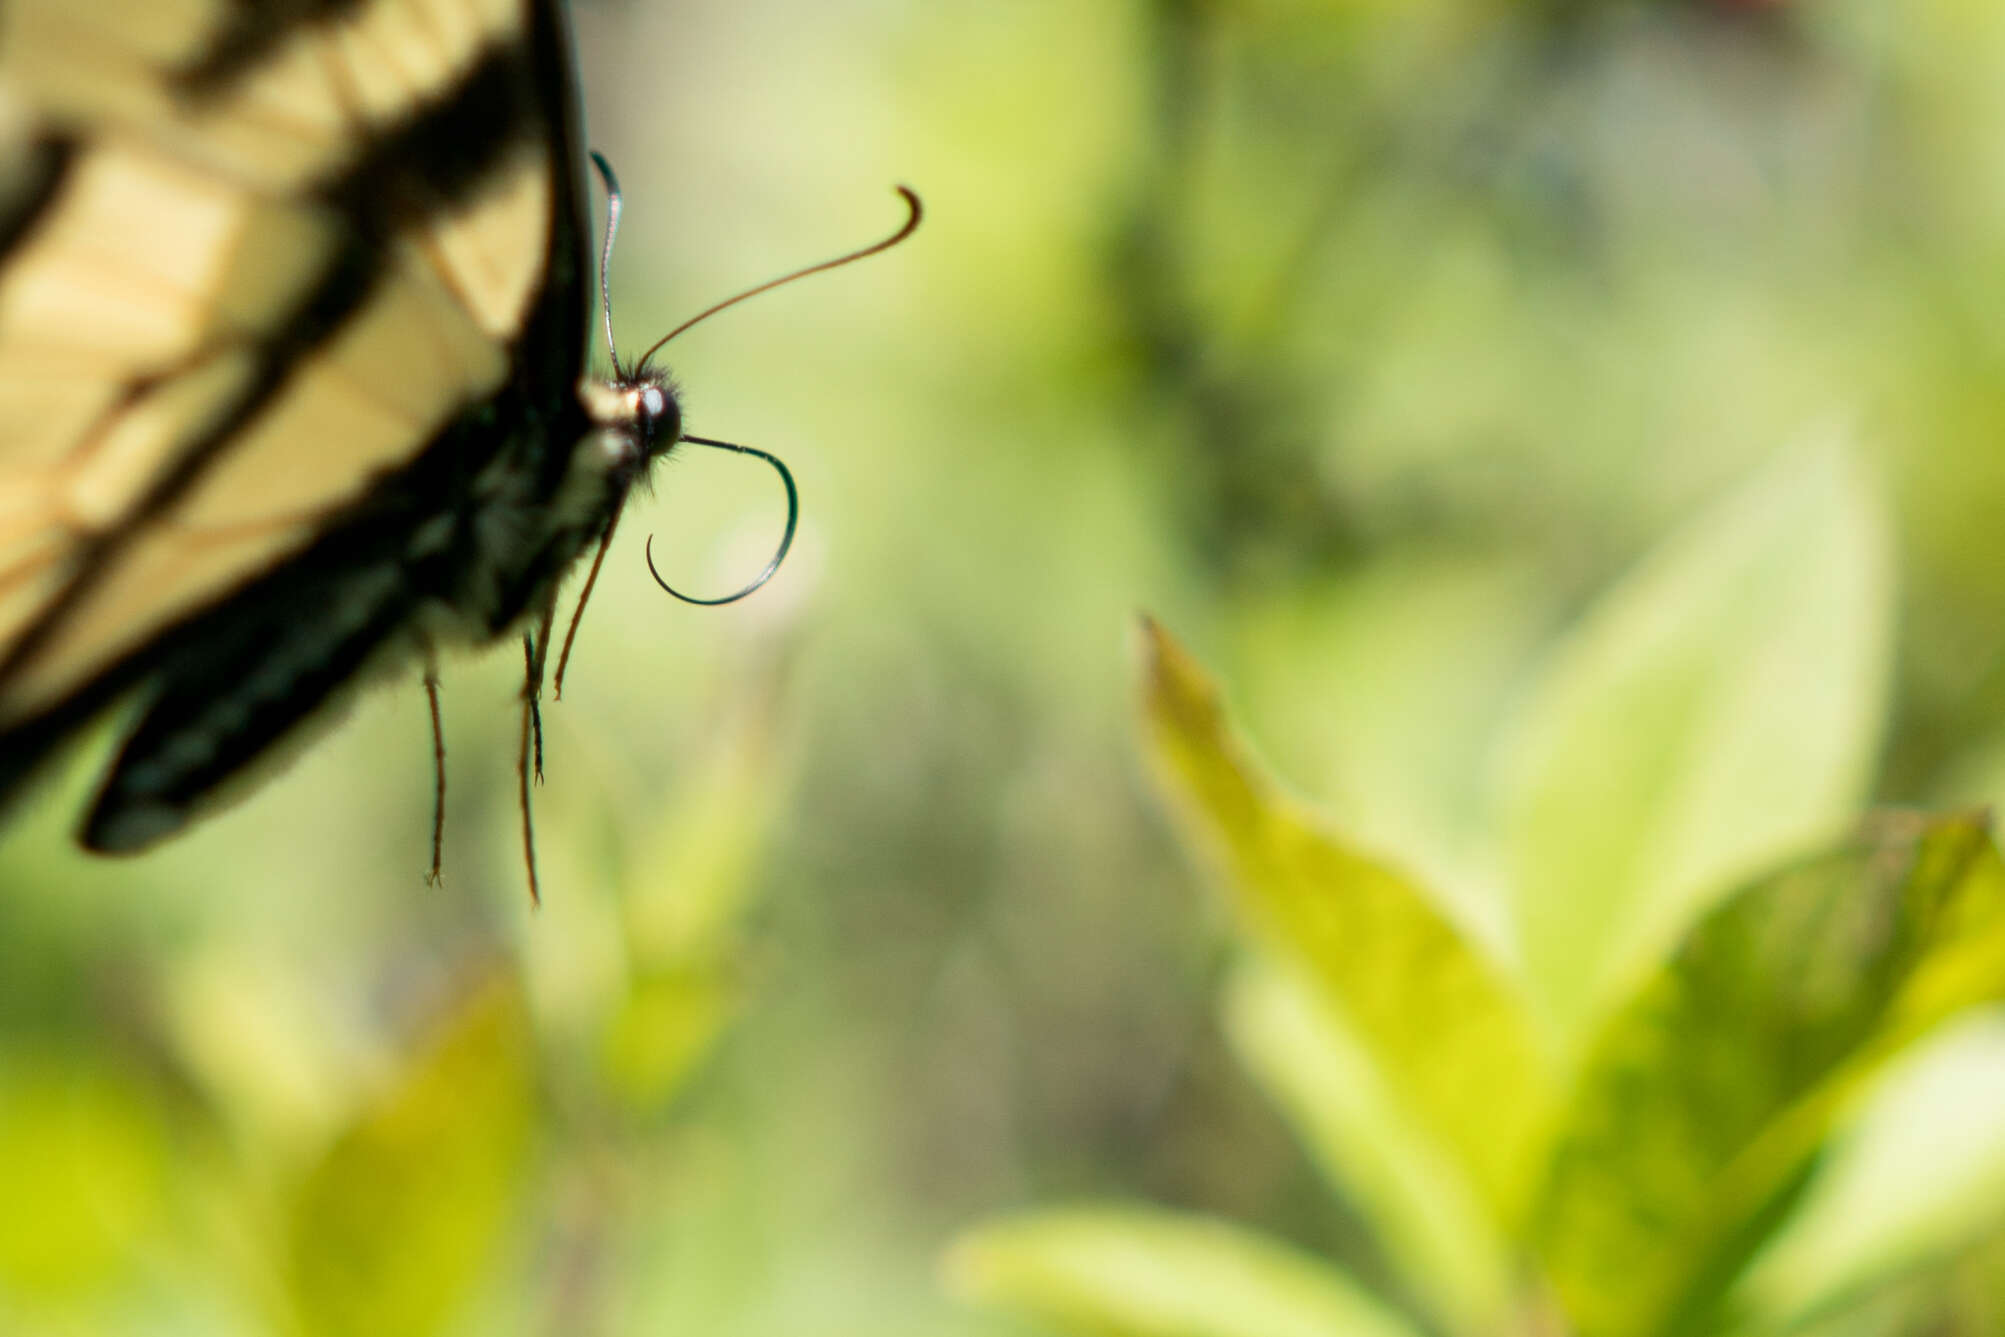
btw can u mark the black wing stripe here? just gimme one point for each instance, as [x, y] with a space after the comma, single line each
[254, 677]
[251, 32]
[403, 177]
[48, 159]
[357, 270]
[374, 537]
[550, 355]
[448, 145]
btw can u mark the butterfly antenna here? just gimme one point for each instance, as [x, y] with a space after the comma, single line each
[911, 223]
[786, 539]
[606, 254]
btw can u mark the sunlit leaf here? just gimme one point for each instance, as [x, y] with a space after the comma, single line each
[84, 1165]
[1426, 646]
[1920, 1175]
[1705, 1096]
[262, 1051]
[1439, 1018]
[1719, 710]
[1431, 1228]
[694, 860]
[686, 886]
[391, 1230]
[666, 1023]
[1974, 1290]
[1132, 1272]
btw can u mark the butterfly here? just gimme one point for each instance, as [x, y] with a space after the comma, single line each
[294, 320]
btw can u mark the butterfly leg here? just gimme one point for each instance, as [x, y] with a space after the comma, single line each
[437, 874]
[532, 702]
[584, 597]
[535, 646]
[522, 773]
[535, 655]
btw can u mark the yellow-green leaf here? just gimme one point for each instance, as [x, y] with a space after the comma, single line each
[1706, 1095]
[395, 1225]
[1451, 1257]
[664, 1026]
[1440, 1019]
[84, 1165]
[1136, 1272]
[690, 875]
[1717, 711]
[1916, 1177]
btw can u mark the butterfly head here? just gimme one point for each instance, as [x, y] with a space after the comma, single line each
[638, 413]
[639, 417]
[657, 414]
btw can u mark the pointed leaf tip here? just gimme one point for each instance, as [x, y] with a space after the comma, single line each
[1445, 1022]
[1179, 698]
[1716, 709]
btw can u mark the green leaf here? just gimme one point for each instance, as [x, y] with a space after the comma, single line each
[1917, 1176]
[1439, 1018]
[1719, 710]
[1705, 1097]
[664, 1026]
[689, 877]
[685, 888]
[1431, 1228]
[1134, 1272]
[1429, 647]
[395, 1225]
[84, 1161]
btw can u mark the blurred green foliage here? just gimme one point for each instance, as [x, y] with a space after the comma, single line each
[1573, 430]
[1613, 1178]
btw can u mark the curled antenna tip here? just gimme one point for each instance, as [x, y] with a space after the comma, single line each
[786, 539]
[914, 211]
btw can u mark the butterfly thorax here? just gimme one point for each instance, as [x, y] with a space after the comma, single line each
[523, 538]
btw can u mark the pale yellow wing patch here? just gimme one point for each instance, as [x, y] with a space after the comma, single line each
[391, 50]
[285, 124]
[99, 486]
[142, 260]
[299, 115]
[50, 399]
[479, 251]
[360, 407]
[295, 116]
[392, 378]
[102, 63]
[123, 318]
[44, 514]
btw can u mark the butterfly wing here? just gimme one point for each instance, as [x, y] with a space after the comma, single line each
[283, 287]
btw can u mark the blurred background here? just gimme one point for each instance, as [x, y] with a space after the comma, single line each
[1360, 341]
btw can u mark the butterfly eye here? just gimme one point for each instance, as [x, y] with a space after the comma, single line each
[661, 419]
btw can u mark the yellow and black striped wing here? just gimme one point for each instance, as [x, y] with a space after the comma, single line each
[284, 284]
